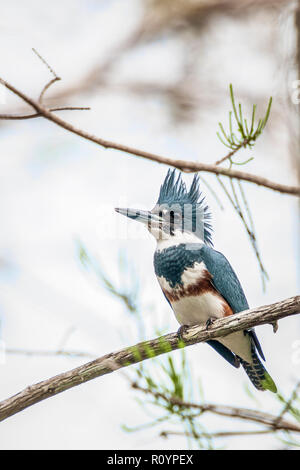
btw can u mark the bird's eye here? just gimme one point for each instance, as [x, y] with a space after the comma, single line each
[169, 215]
[162, 213]
[172, 217]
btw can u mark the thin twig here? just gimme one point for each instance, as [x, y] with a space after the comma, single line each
[55, 78]
[35, 115]
[211, 435]
[48, 85]
[213, 192]
[251, 235]
[187, 166]
[46, 63]
[230, 154]
[264, 274]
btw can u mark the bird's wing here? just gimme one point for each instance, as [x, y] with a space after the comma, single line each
[227, 284]
[166, 298]
[224, 352]
[224, 279]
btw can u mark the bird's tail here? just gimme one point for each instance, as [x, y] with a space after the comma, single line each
[258, 375]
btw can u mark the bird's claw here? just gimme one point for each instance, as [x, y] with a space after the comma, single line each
[181, 331]
[209, 322]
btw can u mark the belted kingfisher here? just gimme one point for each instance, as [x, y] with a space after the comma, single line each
[198, 281]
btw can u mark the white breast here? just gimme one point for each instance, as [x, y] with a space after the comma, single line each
[196, 310]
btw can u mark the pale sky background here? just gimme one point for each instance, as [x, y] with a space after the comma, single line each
[56, 188]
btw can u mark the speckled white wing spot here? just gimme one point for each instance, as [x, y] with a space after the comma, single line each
[193, 274]
[164, 284]
[189, 277]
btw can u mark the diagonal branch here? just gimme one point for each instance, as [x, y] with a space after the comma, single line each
[187, 166]
[145, 350]
[234, 151]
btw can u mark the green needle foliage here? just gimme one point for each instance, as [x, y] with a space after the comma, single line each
[246, 133]
[242, 134]
[126, 294]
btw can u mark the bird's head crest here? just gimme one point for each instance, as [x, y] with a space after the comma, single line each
[178, 212]
[173, 192]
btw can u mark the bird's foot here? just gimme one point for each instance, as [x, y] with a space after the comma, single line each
[209, 322]
[181, 331]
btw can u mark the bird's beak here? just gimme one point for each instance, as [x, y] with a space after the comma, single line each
[145, 217]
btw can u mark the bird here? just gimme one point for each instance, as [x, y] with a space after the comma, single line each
[198, 281]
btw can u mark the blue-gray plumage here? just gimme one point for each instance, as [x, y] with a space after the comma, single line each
[198, 281]
[171, 263]
[224, 278]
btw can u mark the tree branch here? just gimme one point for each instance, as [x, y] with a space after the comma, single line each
[274, 423]
[187, 166]
[145, 350]
[208, 435]
[234, 151]
[16, 117]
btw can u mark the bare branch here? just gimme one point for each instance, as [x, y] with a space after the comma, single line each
[40, 100]
[35, 115]
[55, 78]
[187, 166]
[245, 414]
[46, 63]
[145, 350]
[216, 434]
[48, 85]
[232, 152]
